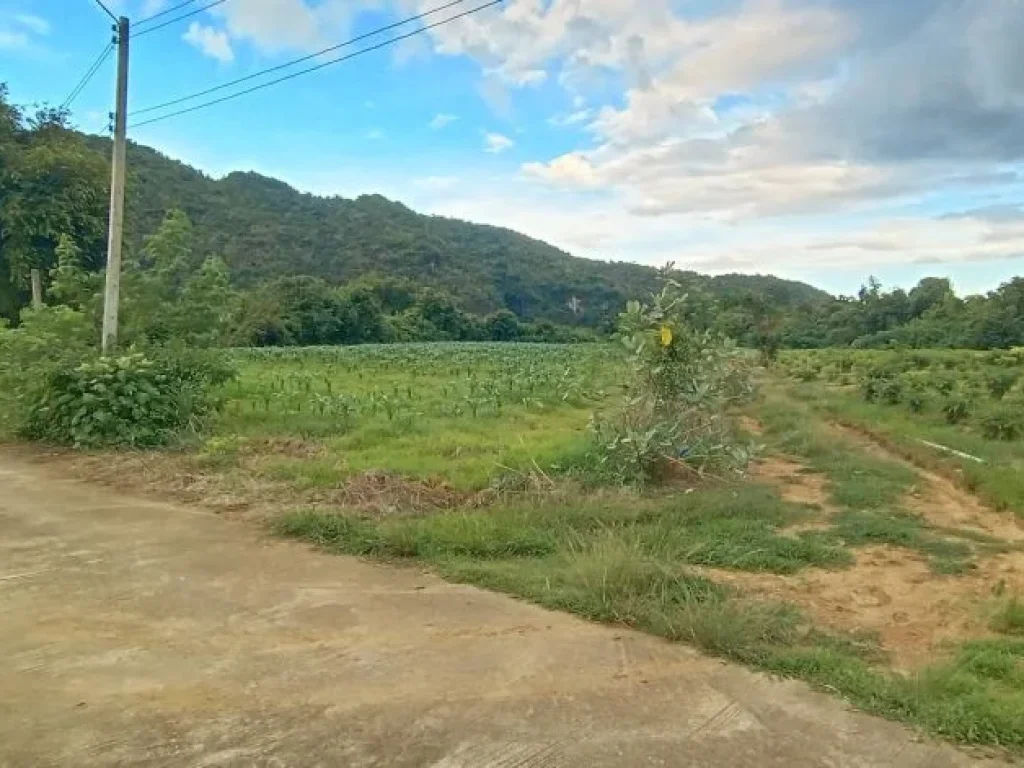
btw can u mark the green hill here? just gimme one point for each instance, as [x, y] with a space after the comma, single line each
[264, 229]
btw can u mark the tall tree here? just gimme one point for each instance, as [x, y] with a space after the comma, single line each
[51, 184]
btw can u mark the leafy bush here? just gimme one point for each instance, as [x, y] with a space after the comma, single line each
[683, 381]
[882, 387]
[124, 401]
[917, 401]
[956, 408]
[1002, 422]
[1000, 382]
[47, 340]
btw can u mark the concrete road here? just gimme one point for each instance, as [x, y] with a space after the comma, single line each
[138, 633]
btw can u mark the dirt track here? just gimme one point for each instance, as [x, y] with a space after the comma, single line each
[135, 633]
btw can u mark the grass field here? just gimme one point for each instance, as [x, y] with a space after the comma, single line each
[835, 560]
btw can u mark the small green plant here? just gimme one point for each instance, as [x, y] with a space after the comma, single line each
[917, 401]
[891, 391]
[119, 401]
[1001, 381]
[1009, 620]
[1002, 422]
[956, 408]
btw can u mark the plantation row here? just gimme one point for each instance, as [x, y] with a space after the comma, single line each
[400, 382]
[984, 391]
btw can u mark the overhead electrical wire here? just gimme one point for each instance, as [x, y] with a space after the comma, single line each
[89, 73]
[176, 19]
[318, 67]
[292, 63]
[106, 10]
[164, 12]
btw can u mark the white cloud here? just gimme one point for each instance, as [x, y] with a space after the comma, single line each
[375, 134]
[35, 24]
[572, 169]
[13, 40]
[442, 120]
[748, 133]
[212, 42]
[496, 143]
[571, 118]
[274, 26]
[19, 32]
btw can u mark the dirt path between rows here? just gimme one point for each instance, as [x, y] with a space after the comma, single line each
[918, 615]
[139, 633]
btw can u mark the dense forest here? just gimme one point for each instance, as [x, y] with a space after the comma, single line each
[291, 268]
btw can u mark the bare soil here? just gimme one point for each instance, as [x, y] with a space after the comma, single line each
[890, 592]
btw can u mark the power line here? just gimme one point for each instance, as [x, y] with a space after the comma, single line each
[176, 19]
[106, 10]
[292, 63]
[293, 75]
[164, 12]
[89, 73]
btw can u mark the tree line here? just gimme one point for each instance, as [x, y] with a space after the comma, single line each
[249, 261]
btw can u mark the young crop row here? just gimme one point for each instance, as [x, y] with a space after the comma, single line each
[401, 382]
[982, 390]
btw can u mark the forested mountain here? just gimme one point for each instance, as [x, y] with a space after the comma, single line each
[265, 229]
[247, 260]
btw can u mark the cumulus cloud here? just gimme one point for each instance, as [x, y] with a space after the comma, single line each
[212, 42]
[291, 25]
[496, 143]
[854, 104]
[706, 116]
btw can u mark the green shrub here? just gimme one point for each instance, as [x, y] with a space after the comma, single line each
[883, 387]
[120, 401]
[956, 408]
[944, 382]
[1009, 620]
[1000, 382]
[917, 401]
[891, 391]
[675, 412]
[1002, 422]
[47, 340]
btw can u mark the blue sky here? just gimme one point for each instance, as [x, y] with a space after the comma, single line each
[823, 140]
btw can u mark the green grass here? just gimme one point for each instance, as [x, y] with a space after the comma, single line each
[464, 413]
[999, 481]
[857, 479]
[737, 528]
[626, 561]
[1009, 619]
[869, 489]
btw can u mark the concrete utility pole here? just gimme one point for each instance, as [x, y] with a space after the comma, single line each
[111, 297]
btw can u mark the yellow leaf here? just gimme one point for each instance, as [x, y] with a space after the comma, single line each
[666, 336]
